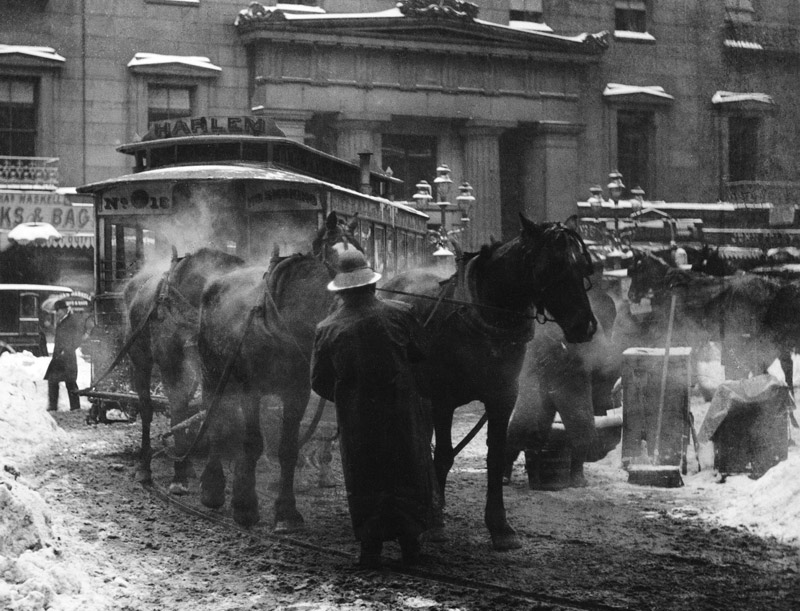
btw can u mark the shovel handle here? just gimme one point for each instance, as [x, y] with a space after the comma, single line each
[664, 373]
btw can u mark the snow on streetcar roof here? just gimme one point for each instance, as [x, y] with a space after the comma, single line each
[233, 171]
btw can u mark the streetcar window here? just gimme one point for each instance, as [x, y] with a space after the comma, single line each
[289, 230]
[365, 237]
[28, 313]
[380, 249]
[402, 250]
[391, 261]
[9, 311]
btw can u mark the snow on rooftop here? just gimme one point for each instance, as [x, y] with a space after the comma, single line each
[41, 52]
[617, 89]
[730, 97]
[531, 26]
[628, 35]
[153, 59]
[743, 44]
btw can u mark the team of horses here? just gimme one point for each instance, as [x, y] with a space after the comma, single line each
[242, 332]
[755, 317]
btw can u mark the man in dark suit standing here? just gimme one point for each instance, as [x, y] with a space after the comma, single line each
[64, 364]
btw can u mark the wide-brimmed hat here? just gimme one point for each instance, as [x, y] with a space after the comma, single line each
[61, 304]
[353, 272]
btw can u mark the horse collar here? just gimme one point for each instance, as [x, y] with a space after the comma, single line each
[466, 291]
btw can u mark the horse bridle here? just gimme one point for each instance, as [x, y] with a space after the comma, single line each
[542, 288]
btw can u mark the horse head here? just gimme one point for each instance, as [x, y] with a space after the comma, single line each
[335, 236]
[647, 273]
[713, 263]
[557, 264]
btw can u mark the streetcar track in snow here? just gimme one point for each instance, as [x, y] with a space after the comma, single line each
[528, 599]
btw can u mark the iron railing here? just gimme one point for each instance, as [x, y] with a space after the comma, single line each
[778, 193]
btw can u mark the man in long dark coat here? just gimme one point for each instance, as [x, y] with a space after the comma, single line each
[364, 360]
[64, 364]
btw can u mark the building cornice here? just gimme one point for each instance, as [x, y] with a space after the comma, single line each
[414, 28]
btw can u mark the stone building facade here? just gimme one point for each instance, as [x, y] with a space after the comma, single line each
[531, 101]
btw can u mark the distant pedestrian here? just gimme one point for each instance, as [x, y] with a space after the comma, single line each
[64, 364]
[364, 360]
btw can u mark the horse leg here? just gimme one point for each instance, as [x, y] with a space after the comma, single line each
[179, 387]
[140, 379]
[244, 500]
[287, 518]
[212, 480]
[504, 537]
[442, 420]
[543, 413]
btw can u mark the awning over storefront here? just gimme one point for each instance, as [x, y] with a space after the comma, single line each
[74, 223]
[155, 63]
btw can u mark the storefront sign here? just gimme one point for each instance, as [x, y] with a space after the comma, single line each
[44, 207]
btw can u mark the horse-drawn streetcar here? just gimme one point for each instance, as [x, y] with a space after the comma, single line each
[240, 186]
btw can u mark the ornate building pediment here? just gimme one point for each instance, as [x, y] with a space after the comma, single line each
[412, 24]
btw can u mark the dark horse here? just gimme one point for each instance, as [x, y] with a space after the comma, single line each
[260, 327]
[751, 315]
[163, 310]
[476, 349]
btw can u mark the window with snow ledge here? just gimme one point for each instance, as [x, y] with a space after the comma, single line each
[630, 21]
[527, 15]
[174, 2]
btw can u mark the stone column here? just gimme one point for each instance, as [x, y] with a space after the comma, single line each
[482, 171]
[290, 122]
[360, 134]
[551, 181]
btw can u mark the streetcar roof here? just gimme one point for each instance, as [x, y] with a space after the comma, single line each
[233, 171]
[194, 140]
[50, 288]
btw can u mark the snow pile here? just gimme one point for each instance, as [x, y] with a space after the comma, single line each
[25, 424]
[33, 573]
[770, 505]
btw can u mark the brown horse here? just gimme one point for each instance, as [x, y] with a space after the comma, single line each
[477, 349]
[163, 311]
[256, 337]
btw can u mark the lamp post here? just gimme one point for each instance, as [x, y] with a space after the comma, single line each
[638, 199]
[596, 200]
[424, 198]
[465, 199]
[615, 188]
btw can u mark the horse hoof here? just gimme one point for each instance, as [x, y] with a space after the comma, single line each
[436, 534]
[578, 481]
[144, 477]
[178, 488]
[326, 482]
[505, 541]
[212, 500]
[246, 517]
[285, 527]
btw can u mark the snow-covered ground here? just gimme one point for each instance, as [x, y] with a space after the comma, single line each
[38, 572]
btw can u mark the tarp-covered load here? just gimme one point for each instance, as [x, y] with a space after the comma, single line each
[747, 422]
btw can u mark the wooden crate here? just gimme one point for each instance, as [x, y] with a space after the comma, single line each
[641, 387]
